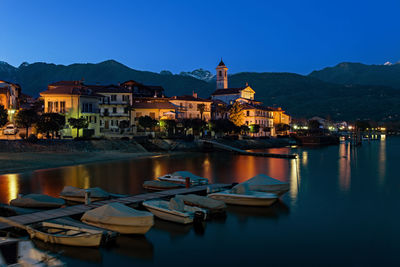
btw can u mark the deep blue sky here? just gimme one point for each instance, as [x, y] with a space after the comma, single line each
[293, 36]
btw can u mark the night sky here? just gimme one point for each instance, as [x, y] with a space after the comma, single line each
[263, 36]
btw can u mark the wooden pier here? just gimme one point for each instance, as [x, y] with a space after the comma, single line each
[248, 153]
[40, 216]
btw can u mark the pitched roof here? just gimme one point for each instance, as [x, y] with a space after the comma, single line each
[228, 91]
[221, 64]
[70, 90]
[190, 98]
[152, 105]
[112, 88]
[66, 83]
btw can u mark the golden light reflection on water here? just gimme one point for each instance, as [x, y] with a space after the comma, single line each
[382, 162]
[9, 186]
[294, 178]
[344, 167]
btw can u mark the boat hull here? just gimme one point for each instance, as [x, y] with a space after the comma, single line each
[81, 241]
[168, 215]
[243, 200]
[123, 229]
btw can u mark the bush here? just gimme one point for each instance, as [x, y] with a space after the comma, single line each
[22, 135]
[32, 138]
[125, 138]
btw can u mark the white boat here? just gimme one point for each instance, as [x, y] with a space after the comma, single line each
[17, 252]
[242, 196]
[120, 218]
[37, 201]
[75, 194]
[179, 177]
[174, 210]
[264, 183]
[211, 205]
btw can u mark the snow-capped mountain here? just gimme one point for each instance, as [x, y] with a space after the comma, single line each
[200, 74]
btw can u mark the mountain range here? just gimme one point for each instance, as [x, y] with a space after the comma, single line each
[348, 91]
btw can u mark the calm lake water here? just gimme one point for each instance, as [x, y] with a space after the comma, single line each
[342, 209]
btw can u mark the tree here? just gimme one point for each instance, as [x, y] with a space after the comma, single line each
[80, 123]
[314, 124]
[201, 108]
[25, 118]
[236, 114]
[254, 128]
[244, 129]
[362, 125]
[3, 116]
[50, 123]
[123, 125]
[168, 125]
[147, 122]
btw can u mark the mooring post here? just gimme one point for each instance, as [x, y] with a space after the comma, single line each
[87, 197]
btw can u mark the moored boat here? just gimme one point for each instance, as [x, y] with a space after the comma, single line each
[75, 194]
[179, 177]
[37, 201]
[65, 234]
[242, 196]
[17, 252]
[156, 185]
[264, 183]
[212, 206]
[120, 218]
[174, 210]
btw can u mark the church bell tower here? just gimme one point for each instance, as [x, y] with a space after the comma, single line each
[222, 76]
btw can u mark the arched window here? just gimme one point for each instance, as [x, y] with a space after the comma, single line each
[220, 73]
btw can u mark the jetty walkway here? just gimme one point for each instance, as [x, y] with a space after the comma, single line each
[248, 153]
[131, 200]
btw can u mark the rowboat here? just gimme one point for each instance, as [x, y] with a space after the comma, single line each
[264, 183]
[37, 201]
[75, 194]
[179, 177]
[120, 218]
[174, 210]
[252, 198]
[212, 206]
[65, 234]
[17, 252]
[241, 195]
[156, 185]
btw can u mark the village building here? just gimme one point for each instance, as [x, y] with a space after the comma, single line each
[192, 107]
[74, 100]
[141, 90]
[156, 108]
[9, 97]
[114, 106]
[261, 116]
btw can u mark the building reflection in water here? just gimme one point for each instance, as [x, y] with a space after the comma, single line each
[344, 167]
[294, 179]
[9, 186]
[382, 161]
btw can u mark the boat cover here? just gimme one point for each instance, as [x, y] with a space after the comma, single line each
[202, 202]
[262, 182]
[71, 191]
[176, 204]
[118, 214]
[241, 189]
[192, 177]
[160, 184]
[37, 201]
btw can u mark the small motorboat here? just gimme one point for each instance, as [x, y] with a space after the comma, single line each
[75, 194]
[240, 195]
[264, 183]
[120, 218]
[213, 206]
[17, 252]
[156, 185]
[175, 210]
[37, 201]
[179, 177]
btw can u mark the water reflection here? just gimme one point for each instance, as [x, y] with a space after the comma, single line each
[243, 213]
[175, 230]
[382, 162]
[134, 246]
[344, 166]
[9, 187]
